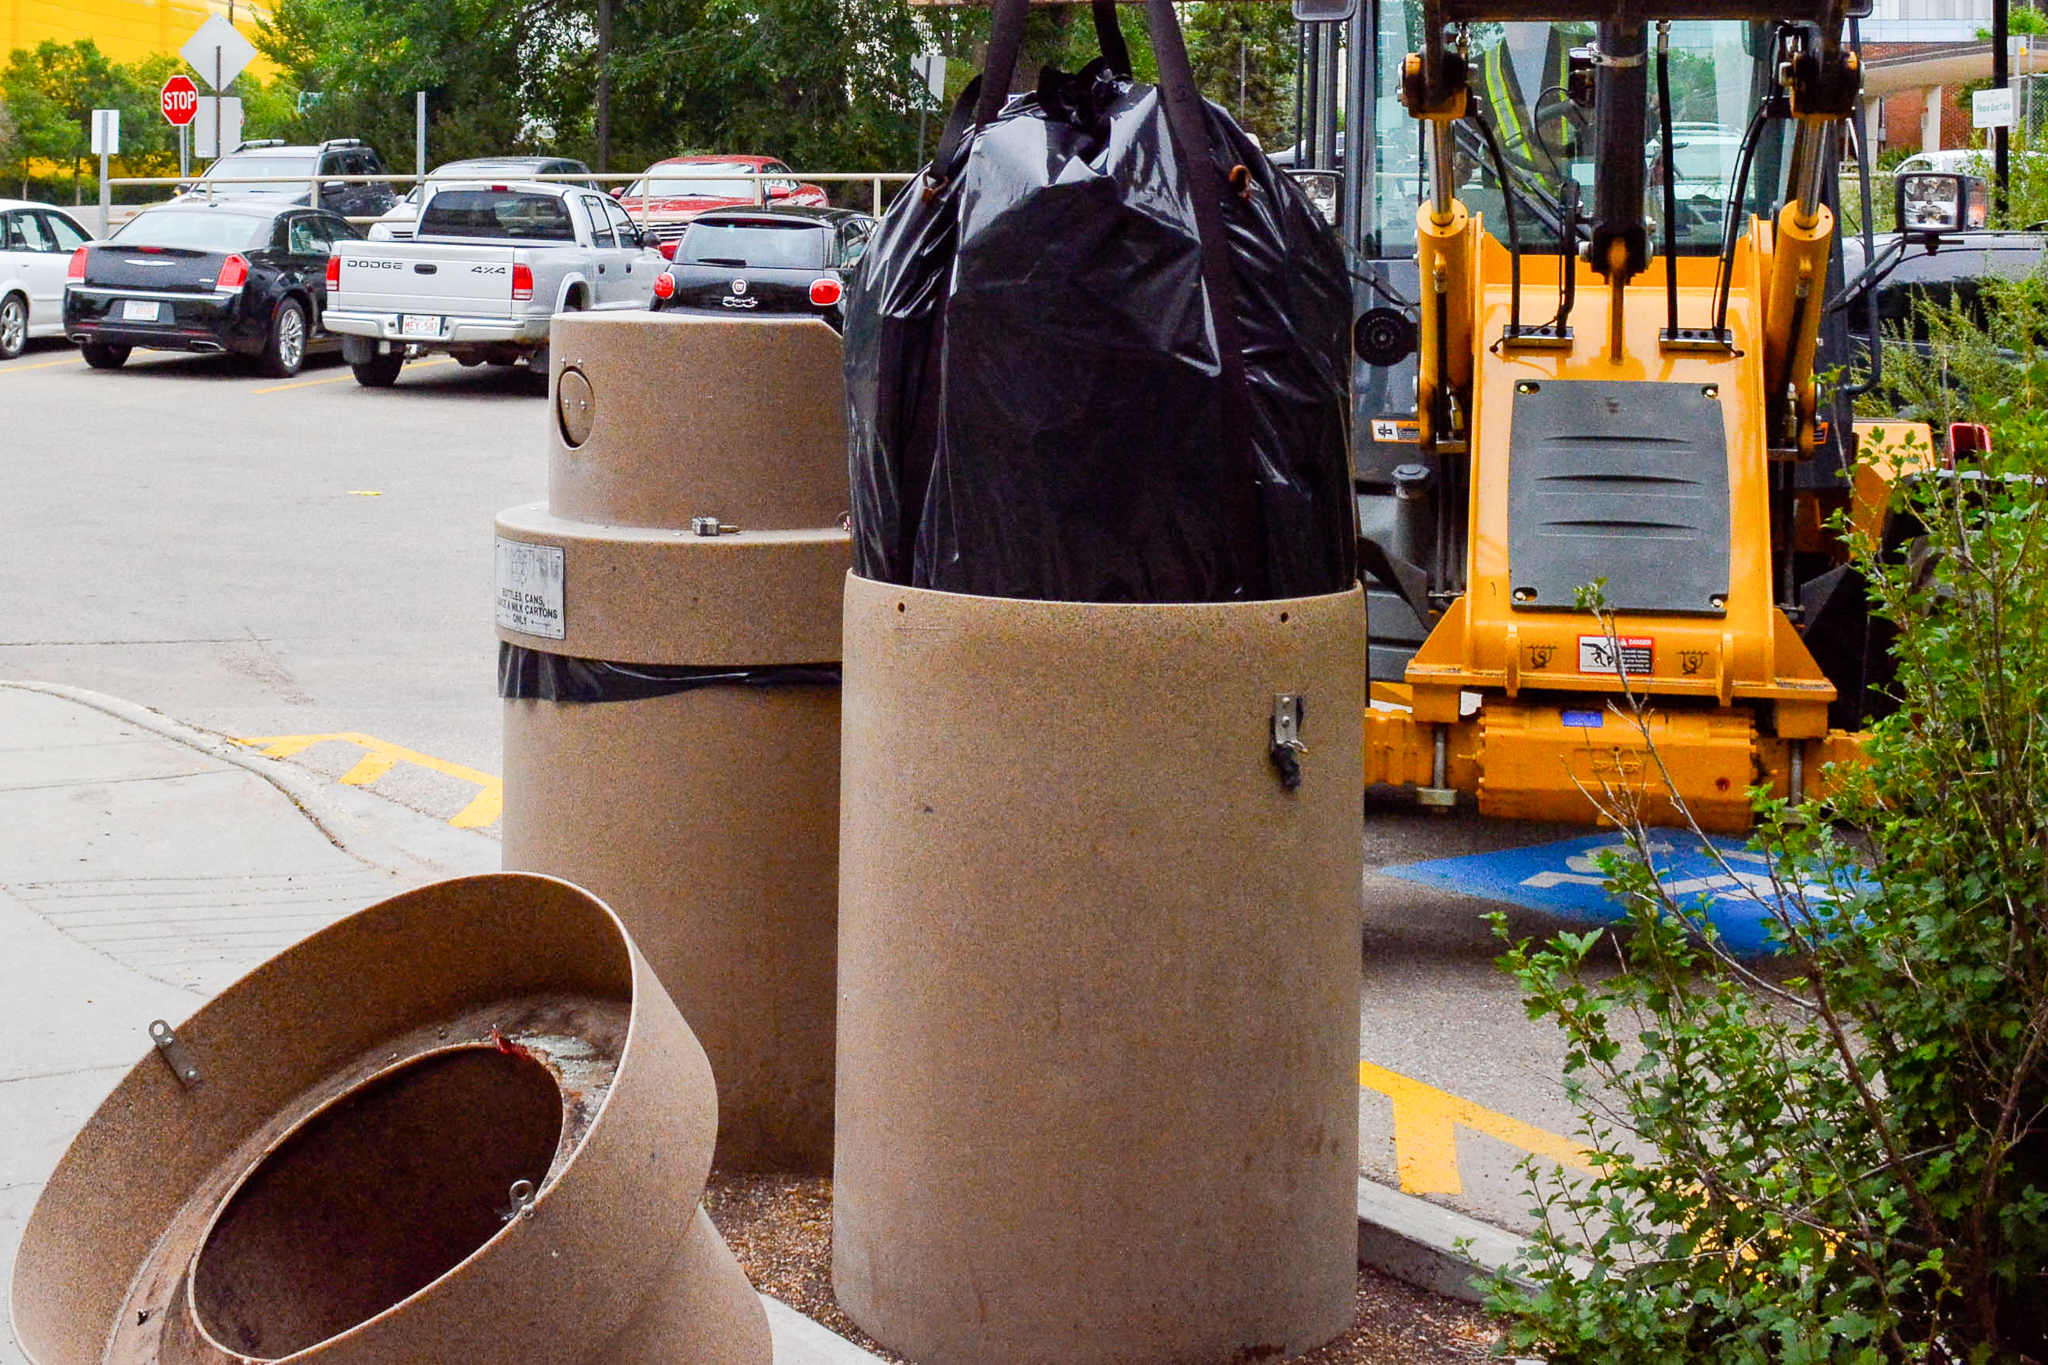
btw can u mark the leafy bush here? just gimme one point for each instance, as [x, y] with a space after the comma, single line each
[1980, 360]
[1841, 1154]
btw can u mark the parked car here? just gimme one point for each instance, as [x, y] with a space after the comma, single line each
[672, 192]
[293, 169]
[240, 276]
[397, 225]
[36, 242]
[1950, 279]
[488, 267]
[784, 259]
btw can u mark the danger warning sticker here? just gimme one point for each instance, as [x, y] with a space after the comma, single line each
[1397, 430]
[1596, 653]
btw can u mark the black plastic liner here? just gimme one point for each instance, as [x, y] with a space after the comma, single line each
[1039, 405]
[531, 675]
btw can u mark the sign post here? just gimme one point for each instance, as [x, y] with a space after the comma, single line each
[106, 143]
[219, 53]
[179, 100]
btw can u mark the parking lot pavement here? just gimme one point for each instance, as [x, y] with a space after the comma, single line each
[1458, 1085]
[268, 557]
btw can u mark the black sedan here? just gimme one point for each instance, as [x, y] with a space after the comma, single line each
[738, 262]
[237, 276]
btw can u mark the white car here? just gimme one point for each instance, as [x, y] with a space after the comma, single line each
[1962, 161]
[36, 243]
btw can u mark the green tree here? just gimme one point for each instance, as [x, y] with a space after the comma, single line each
[1243, 56]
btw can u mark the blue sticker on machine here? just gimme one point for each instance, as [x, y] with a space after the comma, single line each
[1730, 882]
[1585, 720]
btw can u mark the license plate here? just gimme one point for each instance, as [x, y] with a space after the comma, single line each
[140, 310]
[415, 325]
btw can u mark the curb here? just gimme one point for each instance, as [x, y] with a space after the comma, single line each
[375, 832]
[1434, 1248]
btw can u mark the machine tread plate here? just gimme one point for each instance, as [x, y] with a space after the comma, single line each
[1621, 480]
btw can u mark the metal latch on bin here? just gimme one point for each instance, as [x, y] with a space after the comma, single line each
[175, 1054]
[712, 526]
[1287, 751]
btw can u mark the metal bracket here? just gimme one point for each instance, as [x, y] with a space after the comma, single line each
[711, 526]
[1287, 749]
[522, 1195]
[176, 1055]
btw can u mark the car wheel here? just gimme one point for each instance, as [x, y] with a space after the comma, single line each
[381, 372]
[103, 357]
[285, 350]
[13, 326]
[539, 361]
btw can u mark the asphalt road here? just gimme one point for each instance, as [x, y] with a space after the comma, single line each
[297, 558]
[267, 557]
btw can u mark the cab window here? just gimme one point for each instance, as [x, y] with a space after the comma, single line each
[622, 223]
[25, 232]
[69, 235]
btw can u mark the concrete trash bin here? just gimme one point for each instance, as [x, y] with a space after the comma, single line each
[676, 748]
[463, 1125]
[1098, 973]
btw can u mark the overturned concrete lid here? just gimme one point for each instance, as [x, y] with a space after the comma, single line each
[463, 1125]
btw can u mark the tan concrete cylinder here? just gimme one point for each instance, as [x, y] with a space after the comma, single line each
[337, 1179]
[706, 818]
[1098, 1015]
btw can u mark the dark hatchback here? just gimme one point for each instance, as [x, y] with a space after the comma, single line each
[238, 276]
[740, 262]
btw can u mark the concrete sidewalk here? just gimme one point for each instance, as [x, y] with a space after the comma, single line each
[144, 866]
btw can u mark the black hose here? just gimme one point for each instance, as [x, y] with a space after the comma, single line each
[1507, 199]
[1670, 184]
[1724, 274]
[1567, 259]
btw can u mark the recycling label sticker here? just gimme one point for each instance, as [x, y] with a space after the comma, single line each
[531, 599]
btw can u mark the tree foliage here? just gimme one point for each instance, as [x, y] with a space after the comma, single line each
[1841, 1156]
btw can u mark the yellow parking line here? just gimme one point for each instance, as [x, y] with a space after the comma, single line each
[1426, 1122]
[336, 378]
[44, 364]
[381, 756]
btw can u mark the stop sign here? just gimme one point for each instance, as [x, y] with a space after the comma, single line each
[180, 100]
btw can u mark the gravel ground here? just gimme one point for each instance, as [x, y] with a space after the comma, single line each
[780, 1228]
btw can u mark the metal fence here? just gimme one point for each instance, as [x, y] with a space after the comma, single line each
[113, 215]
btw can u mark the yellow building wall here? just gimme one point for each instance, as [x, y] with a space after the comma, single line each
[126, 30]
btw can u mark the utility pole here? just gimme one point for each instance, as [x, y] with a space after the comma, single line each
[2001, 136]
[604, 85]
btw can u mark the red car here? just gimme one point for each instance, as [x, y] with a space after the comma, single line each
[672, 192]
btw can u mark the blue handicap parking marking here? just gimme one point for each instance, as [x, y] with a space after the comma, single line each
[1735, 891]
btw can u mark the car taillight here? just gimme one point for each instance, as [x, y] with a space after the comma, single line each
[668, 250]
[234, 272]
[825, 292]
[334, 272]
[522, 282]
[664, 285]
[77, 269]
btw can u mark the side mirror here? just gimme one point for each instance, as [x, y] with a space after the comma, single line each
[1325, 190]
[1931, 203]
[776, 191]
[618, 191]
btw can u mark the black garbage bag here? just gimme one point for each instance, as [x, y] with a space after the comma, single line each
[1084, 365]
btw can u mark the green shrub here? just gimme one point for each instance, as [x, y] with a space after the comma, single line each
[1840, 1154]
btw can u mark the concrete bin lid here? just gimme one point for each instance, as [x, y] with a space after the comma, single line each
[328, 1189]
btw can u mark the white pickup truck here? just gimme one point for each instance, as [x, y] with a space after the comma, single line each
[488, 267]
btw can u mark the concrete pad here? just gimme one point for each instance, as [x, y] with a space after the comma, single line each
[800, 1341]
